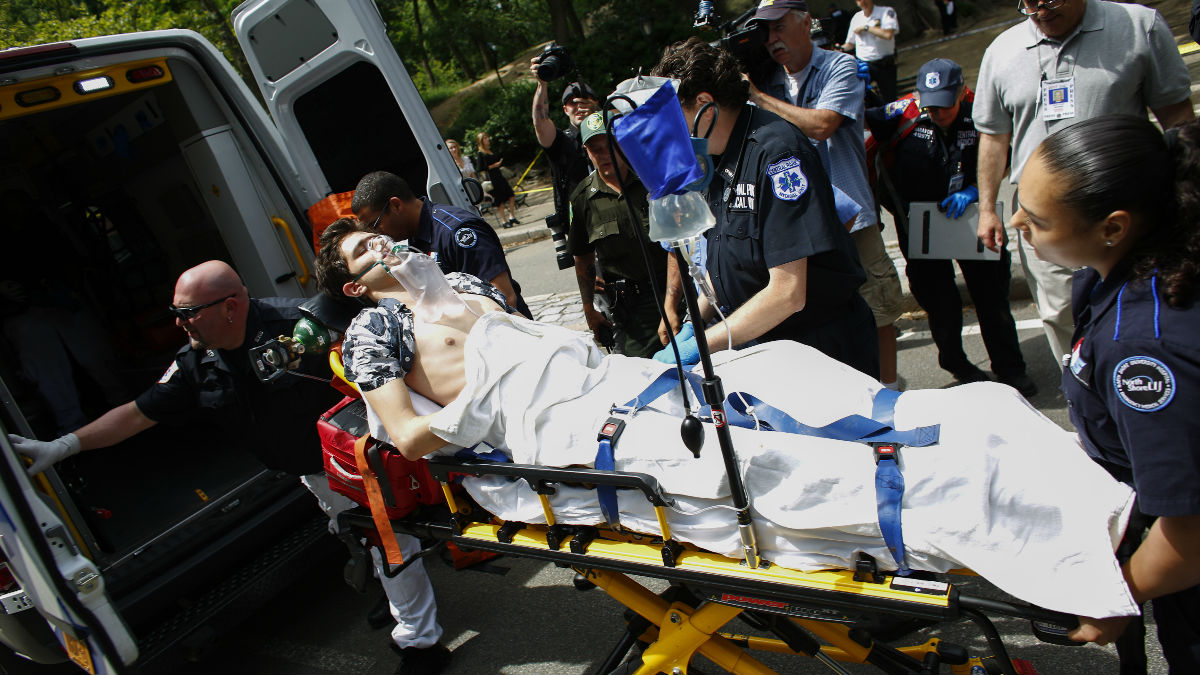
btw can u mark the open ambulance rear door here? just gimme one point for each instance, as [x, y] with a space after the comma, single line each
[341, 97]
[60, 583]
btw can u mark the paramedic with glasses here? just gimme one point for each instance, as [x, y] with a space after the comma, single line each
[213, 372]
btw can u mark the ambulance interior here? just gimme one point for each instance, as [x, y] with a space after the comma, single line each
[101, 212]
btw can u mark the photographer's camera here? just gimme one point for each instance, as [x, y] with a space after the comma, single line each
[558, 230]
[554, 63]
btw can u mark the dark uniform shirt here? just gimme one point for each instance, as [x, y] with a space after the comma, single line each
[568, 165]
[774, 205]
[276, 421]
[1132, 384]
[461, 241]
[601, 224]
[923, 162]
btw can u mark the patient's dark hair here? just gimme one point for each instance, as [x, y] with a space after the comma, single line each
[332, 271]
[1122, 162]
[699, 67]
[376, 188]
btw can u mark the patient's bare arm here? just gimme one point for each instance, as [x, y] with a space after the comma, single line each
[409, 431]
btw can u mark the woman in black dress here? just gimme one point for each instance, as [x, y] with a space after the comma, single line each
[502, 192]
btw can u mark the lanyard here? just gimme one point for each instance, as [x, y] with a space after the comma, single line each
[732, 180]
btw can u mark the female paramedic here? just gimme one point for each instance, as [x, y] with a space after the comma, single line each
[1114, 197]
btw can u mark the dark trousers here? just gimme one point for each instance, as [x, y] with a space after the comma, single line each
[637, 325]
[932, 284]
[1177, 616]
[1178, 619]
[883, 72]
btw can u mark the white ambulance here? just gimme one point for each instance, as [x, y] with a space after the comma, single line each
[124, 160]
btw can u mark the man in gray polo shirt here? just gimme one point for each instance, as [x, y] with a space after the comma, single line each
[1073, 60]
[820, 93]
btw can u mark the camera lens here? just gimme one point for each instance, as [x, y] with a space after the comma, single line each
[565, 259]
[549, 69]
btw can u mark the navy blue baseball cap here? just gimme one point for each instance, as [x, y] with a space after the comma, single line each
[938, 83]
[770, 10]
[578, 90]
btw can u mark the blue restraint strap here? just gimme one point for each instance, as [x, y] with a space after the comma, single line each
[889, 482]
[607, 493]
[889, 495]
[491, 455]
[605, 461]
[849, 428]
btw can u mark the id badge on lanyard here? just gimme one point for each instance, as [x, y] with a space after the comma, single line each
[1058, 98]
[956, 180]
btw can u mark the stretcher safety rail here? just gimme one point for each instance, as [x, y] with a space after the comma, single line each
[791, 604]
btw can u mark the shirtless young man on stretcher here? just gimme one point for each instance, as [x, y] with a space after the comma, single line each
[1004, 491]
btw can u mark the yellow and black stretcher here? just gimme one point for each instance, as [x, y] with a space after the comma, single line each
[817, 614]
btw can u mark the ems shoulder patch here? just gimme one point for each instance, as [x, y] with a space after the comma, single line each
[171, 370]
[465, 237]
[1144, 383]
[895, 108]
[788, 181]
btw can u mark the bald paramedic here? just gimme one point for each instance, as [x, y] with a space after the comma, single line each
[276, 421]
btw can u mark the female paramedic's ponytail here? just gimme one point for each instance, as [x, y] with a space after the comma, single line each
[1122, 162]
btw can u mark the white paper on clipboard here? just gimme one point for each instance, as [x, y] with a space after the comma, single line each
[934, 236]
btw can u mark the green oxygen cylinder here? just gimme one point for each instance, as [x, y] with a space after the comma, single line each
[316, 338]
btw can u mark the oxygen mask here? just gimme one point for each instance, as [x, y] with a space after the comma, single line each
[419, 274]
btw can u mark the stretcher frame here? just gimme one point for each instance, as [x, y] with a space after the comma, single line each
[810, 613]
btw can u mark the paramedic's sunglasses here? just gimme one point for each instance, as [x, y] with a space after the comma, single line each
[189, 313]
[1029, 8]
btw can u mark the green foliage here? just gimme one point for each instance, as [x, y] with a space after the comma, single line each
[30, 22]
[503, 113]
[449, 80]
[625, 35]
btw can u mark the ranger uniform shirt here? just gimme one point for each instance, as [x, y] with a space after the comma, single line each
[461, 241]
[1132, 383]
[275, 421]
[774, 205]
[601, 224]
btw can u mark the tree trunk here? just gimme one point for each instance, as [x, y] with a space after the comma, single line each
[564, 22]
[450, 41]
[421, 44]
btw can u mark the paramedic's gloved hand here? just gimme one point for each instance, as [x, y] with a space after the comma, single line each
[689, 351]
[864, 71]
[45, 453]
[955, 204]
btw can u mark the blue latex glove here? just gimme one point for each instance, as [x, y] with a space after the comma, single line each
[955, 204]
[688, 350]
[864, 71]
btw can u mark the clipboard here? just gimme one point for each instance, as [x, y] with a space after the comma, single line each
[934, 236]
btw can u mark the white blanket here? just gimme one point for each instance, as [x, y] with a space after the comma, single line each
[1005, 492]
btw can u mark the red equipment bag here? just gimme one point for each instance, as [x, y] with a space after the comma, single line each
[410, 482]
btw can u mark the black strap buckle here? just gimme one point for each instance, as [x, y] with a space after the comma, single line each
[883, 451]
[611, 430]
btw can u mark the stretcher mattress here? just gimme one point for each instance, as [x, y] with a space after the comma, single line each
[1005, 491]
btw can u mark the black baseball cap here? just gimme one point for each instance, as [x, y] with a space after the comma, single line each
[578, 90]
[938, 83]
[770, 10]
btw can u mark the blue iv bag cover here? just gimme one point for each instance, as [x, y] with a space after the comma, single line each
[655, 140]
